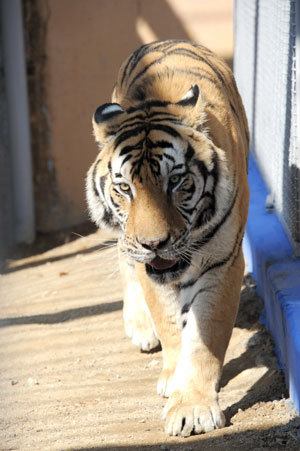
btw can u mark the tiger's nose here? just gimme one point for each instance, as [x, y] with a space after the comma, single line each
[157, 243]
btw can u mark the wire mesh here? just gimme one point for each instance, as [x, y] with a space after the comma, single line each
[266, 72]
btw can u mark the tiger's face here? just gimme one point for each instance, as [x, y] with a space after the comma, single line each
[154, 183]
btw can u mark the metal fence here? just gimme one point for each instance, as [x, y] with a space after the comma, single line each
[266, 67]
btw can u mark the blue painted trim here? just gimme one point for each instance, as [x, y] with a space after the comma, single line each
[269, 257]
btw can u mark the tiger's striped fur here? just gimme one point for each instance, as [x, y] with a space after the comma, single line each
[171, 182]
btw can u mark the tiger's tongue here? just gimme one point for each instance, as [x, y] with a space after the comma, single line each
[160, 263]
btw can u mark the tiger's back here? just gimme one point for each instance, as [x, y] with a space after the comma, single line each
[166, 70]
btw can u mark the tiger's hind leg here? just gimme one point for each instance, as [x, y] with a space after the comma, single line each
[137, 318]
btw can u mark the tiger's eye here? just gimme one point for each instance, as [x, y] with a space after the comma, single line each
[174, 179]
[124, 187]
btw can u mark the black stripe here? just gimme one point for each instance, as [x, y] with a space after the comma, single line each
[133, 61]
[237, 254]
[137, 56]
[144, 106]
[128, 149]
[189, 153]
[202, 169]
[209, 209]
[184, 216]
[117, 206]
[188, 284]
[102, 183]
[206, 214]
[142, 72]
[95, 188]
[207, 195]
[215, 229]
[161, 113]
[166, 129]
[128, 157]
[227, 258]
[185, 308]
[128, 134]
[126, 68]
[135, 120]
[107, 217]
[158, 156]
[188, 211]
[184, 52]
[215, 70]
[233, 109]
[200, 75]
[194, 55]
[188, 305]
[94, 177]
[163, 144]
[144, 50]
[151, 126]
[165, 119]
[169, 157]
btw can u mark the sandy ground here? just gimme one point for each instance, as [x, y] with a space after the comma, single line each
[71, 380]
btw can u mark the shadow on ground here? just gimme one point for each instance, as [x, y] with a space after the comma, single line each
[63, 316]
[275, 438]
[42, 261]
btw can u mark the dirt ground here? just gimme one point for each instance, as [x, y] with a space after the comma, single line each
[71, 380]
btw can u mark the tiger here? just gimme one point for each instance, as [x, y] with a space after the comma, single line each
[170, 182]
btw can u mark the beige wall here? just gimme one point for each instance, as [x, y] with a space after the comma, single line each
[86, 41]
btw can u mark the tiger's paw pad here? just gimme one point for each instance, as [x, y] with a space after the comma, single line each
[139, 328]
[164, 383]
[185, 419]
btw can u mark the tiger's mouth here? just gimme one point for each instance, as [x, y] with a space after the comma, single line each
[162, 270]
[160, 264]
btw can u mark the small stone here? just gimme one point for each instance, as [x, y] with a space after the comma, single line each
[63, 273]
[31, 381]
[14, 382]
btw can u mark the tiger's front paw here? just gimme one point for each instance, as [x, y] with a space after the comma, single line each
[139, 328]
[192, 413]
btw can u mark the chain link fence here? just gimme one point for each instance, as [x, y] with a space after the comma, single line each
[266, 67]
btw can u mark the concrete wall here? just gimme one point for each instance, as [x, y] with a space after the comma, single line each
[74, 49]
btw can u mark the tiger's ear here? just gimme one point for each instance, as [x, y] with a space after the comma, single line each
[191, 97]
[191, 109]
[106, 121]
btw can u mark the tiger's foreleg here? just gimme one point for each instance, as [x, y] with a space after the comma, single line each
[207, 327]
[163, 303]
[137, 318]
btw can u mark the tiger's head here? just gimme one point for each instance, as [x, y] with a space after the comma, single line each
[158, 182]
